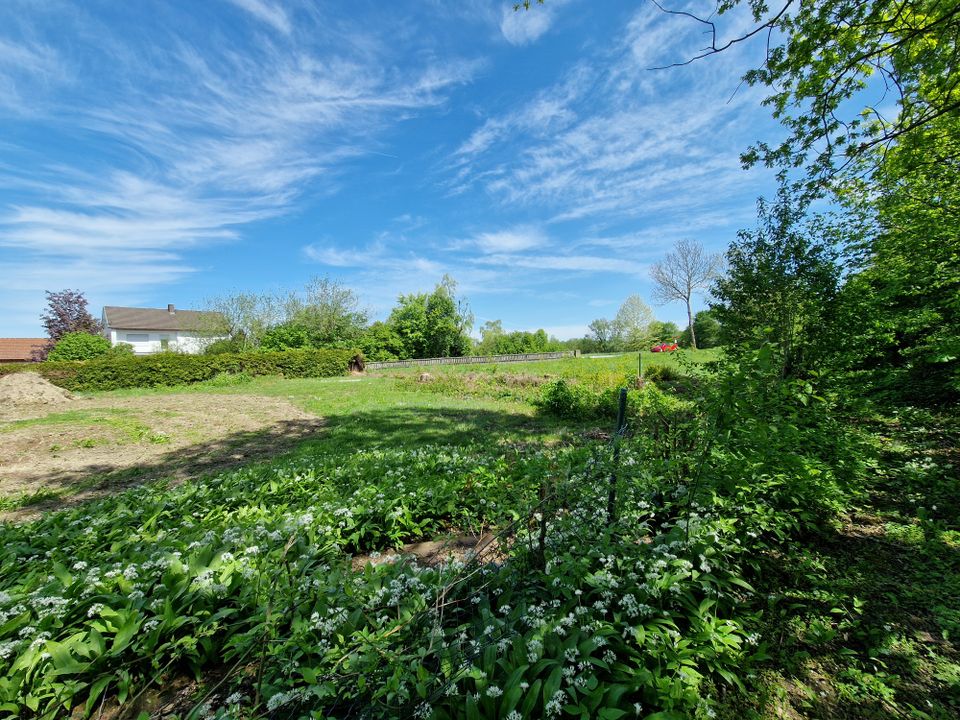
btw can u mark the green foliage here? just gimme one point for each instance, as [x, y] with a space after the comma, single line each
[79, 346]
[780, 288]
[328, 315]
[566, 399]
[111, 373]
[286, 336]
[823, 57]
[494, 341]
[902, 307]
[661, 331]
[707, 328]
[720, 473]
[431, 325]
[381, 342]
[223, 347]
[122, 349]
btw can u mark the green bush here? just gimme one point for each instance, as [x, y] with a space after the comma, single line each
[79, 346]
[229, 379]
[122, 349]
[223, 347]
[567, 400]
[661, 373]
[112, 373]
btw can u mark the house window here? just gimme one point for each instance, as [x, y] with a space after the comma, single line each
[137, 337]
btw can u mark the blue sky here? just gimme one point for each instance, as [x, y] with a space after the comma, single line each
[170, 152]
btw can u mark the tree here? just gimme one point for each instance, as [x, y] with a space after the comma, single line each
[381, 342]
[490, 333]
[448, 321]
[664, 331]
[780, 287]
[432, 325]
[79, 346]
[244, 317]
[286, 336]
[329, 312]
[907, 279]
[602, 332]
[682, 273]
[706, 328]
[66, 313]
[820, 57]
[632, 323]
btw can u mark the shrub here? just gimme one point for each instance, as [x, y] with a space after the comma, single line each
[111, 373]
[223, 347]
[661, 373]
[567, 400]
[122, 349]
[79, 346]
[229, 379]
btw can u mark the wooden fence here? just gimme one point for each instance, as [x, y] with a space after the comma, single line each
[474, 359]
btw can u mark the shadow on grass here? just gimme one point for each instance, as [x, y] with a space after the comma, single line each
[863, 627]
[389, 427]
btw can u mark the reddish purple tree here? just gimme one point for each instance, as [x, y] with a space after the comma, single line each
[66, 313]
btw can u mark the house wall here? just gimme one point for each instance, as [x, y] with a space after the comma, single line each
[148, 342]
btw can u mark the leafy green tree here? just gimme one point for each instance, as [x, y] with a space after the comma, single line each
[381, 342]
[408, 321]
[632, 324]
[663, 331]
[328, 312]
[432, 325]
[780, 287]
[79, 346]
[706, 328]
[820, 56]
[907, 279]
[602, 334]
[287, 336]
[490, 333]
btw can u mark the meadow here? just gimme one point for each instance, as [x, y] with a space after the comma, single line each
[745, 550]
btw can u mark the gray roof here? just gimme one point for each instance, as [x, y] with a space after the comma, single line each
[126, 318]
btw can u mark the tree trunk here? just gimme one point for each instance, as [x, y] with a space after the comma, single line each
[693, 335]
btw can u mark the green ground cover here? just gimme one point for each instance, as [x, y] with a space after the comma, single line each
[766, 557]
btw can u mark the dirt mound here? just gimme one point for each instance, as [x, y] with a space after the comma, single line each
[28, 388]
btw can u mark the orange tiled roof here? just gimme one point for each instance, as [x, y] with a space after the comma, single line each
[19, 349]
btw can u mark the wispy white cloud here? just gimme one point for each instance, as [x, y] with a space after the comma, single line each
[512, 240]
[578, 263]
[520, 27]
[185, 150]
[267, 12]
[613, 139]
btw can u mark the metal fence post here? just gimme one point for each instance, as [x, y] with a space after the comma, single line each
[621, 426]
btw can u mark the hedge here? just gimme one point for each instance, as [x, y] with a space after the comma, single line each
[112, 373]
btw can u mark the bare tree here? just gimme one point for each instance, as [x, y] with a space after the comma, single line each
[683, 272]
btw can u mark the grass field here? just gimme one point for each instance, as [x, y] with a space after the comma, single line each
[231, 569]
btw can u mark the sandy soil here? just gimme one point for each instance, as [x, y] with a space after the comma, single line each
[84, 448]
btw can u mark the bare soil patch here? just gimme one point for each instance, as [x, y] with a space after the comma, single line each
[29, 389]
[436, 551]
[94, 446]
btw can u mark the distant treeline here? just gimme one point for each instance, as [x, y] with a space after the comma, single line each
[326, 314]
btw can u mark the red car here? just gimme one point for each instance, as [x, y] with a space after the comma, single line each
[664, 347]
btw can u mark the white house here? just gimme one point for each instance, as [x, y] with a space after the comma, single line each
[152, 330]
